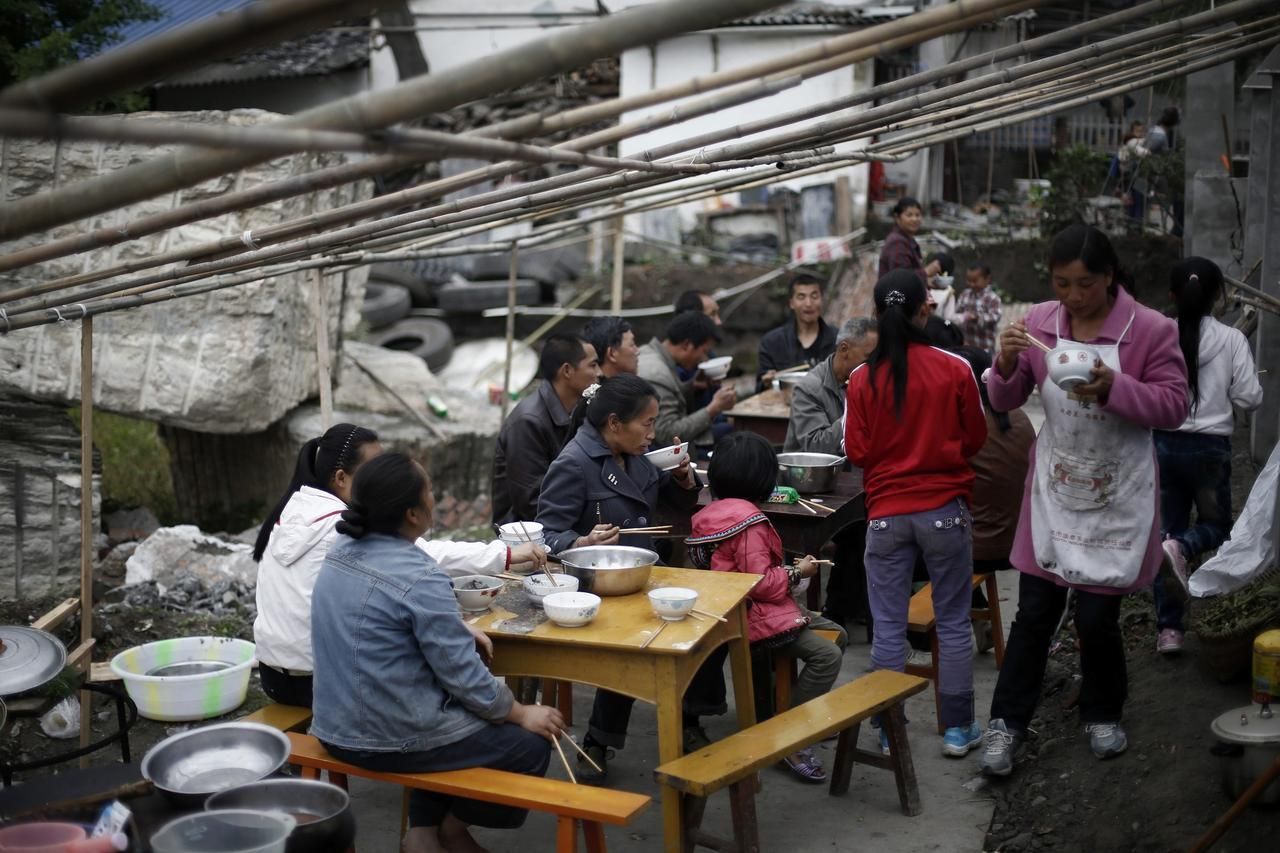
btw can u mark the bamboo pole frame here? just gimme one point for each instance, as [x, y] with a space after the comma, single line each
[407, 100]
[917, 28]
[513, 272]
[86, 519]
[324, 361]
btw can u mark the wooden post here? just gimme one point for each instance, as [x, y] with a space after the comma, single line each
[511, 326]
[844, 205]
[619, 265]
[1266, 421]
[324, 361]
[86, 516]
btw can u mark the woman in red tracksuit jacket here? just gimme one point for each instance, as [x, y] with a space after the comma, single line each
[913, 418]
[731, 534]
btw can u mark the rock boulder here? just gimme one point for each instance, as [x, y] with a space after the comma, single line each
[174, 554]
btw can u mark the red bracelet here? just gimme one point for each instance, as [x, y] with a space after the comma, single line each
[507, 567]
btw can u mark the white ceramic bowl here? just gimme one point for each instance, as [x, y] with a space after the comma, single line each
[669, 457]
[213, 683]
[1070, 365]
[716, 368]
[944, 280]
[476, 592]
[673, 603]
[571, 609]
[520, 531]
[538, 586]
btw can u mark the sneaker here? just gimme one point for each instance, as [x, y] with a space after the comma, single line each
[1169, 642]
[884, 740]
[958, 740]
[600, 755]
[1106, 739]
[1173, 569]
[806, 766]
[695, 738]
[917, 657]
[998, 748]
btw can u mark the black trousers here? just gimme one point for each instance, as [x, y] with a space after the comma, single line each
[284, 688]
[501, 747]
[1105, 681]
[705, 696]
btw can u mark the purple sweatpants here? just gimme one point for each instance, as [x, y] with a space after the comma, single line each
[944, 537]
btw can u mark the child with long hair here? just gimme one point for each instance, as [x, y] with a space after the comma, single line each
[1195, 459]
[731, 534]
[914, 417]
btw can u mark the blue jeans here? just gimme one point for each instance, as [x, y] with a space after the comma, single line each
[1195, 471]
[944, 537]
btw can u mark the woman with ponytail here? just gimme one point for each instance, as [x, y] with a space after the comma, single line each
[913, 419]
[292, 544]
[1089, 523]
[1195, 459]
[601, 482]
[400, 679]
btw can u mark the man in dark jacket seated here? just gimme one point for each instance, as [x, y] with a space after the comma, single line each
[538, 427]
[806, 339]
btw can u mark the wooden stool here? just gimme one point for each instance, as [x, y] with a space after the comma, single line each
[920, 618]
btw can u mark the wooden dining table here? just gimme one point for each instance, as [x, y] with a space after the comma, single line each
[608, 653]
[766, 414]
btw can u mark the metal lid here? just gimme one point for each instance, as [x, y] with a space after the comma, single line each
[1247, 725]
[28, 658]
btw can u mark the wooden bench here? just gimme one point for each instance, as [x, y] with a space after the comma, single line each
[784, 673]
[733, 762]
[286, 718]
[920, 619]
[573, 805]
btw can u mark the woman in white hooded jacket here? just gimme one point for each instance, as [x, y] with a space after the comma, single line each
[295, 538]
[1195, 460]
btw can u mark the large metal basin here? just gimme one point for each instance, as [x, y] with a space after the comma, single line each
[787, 383]
[809, 473]
[323, 811]
[609, 569]
[191, 765]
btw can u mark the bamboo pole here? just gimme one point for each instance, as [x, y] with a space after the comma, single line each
[86, 514]
[910, 31]
[406, 100]
[619, 264]
[511, 328]
[324, 361]
[278, 141]
[190, 46]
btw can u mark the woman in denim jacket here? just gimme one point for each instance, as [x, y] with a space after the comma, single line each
[400, 679]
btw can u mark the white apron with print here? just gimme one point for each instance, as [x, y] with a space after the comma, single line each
[1093, 495]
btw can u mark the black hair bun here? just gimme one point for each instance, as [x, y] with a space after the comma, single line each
[353, 524]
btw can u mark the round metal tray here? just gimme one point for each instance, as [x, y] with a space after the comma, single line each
[29, 659]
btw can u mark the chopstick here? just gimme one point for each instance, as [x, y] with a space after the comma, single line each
[573, 743]
[814, 507]
[822, 562]
[1041, 344]
[564, 761]
[661, 528]
[529, 539]
[708, 615]
[654, 635]
[793, 369]
[805, 504]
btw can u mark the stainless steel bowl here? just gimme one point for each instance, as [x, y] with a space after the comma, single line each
[323, 811]
[787, 383]
[809, 473]
[191, 765]
[609, 569]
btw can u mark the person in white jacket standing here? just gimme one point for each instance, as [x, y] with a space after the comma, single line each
[1195, 461]
[293, 542]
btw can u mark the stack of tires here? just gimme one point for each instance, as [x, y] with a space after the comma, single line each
[390, 294]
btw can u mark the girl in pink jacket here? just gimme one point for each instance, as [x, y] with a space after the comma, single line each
[731, 534]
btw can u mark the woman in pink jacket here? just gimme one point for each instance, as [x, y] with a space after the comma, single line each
[1090, 521]
[731, 534]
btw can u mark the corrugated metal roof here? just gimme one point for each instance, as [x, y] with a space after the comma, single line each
[175, 13]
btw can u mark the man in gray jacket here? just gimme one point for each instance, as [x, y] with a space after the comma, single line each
[817, 404]
[689, 338]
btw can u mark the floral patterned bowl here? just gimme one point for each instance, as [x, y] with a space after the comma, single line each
[571, 609]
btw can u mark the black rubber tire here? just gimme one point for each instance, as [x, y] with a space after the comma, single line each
[405, 275]
[384, 304]
[429, 339]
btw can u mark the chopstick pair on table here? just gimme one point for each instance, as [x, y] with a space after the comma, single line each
[814, 507]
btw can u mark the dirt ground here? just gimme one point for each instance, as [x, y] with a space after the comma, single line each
[1166, 790]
